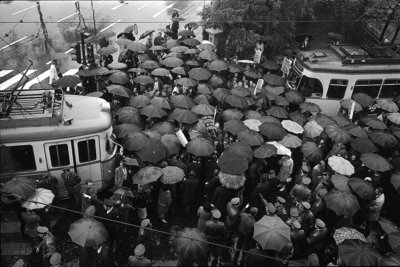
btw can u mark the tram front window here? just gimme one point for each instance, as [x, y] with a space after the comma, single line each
[311, 87]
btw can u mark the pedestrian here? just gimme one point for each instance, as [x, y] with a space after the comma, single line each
[121, 175]
[88, 194]
[232, 216]
[109, 212]
[142, 200]
[286, 170]
[147, 237]
[53, 72]
[159, 40]
[204, 213]
[103, 258]
[164, 201]
[47, 245]
[376, 206]
[316, 239]
[190, 187]
[215, 231]
[245, 230]
[72, 183]
[55, 260]
[138, 259]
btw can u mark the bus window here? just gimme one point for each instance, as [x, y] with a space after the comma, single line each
[17, 158]
[337, 89]
[59, 155]
[87, 150]
[311, 87]
[369, 87]
[390, 89]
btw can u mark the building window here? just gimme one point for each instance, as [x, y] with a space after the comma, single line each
[59, 155]
[390, 89]
[337, 89]
[17, 159]
[369, 87]
[87, 150]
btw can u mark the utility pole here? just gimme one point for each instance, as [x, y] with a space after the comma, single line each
[47, 41]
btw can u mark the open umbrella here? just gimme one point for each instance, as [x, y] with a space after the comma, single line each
[108, 50]
[270, 64]
[145, 34]
[292, 126]
[221, 94]
[280, 101]
[345, 233]
[163, 128]
[234, 126]
[137, 47]
[341, 165]
[354, 252]
[201, 147]
[172, 175]
[312, 129]
[88, 232]
[129, 115]
[363, 99]
[143, 80]
[208, 55]
[184, 116]
[123, 41]
[265, 151]
[291, 141]
[269, 119]
[347, 103]
[271, 233]
[119, 90]
[192, 63]
[160, 72]
[232, 114]
[191, 51]
[278, 112]
[179, 71]
[157, 48]
[186, 33]
[216, 81]
[96, 94]
[191, 42]
[231, 181]
[323, 120]
[153, 111]
[362, 188]
[363, 145]
[154, 152]
[217, 65]
[139, 101]
[252, 138]
[374, 123]
[147, 175]
[137, 70]
[272, 130]
[274, 80]
[182, 101]
[388, 226]
[375, 162]
[204, 88]
[203, 109]
[150, 64]
[172, 62]
[356, 131]
[161, 102]
[253, 124]
[394, 117]
[252, 114]
[383, 139]
[207, 46]
[337, 134]
[235, 68]
[119, 77]
[68, 81]
[116, 66]
[236, 101]
[340, 182]
[312, 152]
[171, 142]
[152, 134]
[199, 74]
[232, 163]
[281, 149]
[40, 198]
[253, 74]
[342, 203]
[186, 82]
[311, 107]
[123, 129]
[240, 91]
[135, 141]
[179, 49]
[191, 244]
[272, 91]
[19, 186]
[240, 148]
[298, 117]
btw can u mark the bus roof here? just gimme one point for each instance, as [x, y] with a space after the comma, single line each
[350, 59]
[86, 115]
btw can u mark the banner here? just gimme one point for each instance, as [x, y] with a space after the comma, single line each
[286, 65]
[209, 122]
[259, 85]
[181, 138]
[257, 56]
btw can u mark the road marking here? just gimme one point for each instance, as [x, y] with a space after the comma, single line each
[109, 26]
[14, 79]
[69, 50]
[67, 17]
[140, 8]
[157, 14]
[5, 72]
[37, 79]
[71, 72]
[48, 63]
[19, 40]
[15, 13]
[116, 7]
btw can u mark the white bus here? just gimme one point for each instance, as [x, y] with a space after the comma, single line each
[46, 131]
[326, 76]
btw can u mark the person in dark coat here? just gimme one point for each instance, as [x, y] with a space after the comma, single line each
[103, 258]
[317, 238]
[221, 197]
[159, 40]
[211, 185]
[262, 188]
[190, 187]
[110, 212]
[87, 256]
[72, 184]
[215, 231]
[262, 259]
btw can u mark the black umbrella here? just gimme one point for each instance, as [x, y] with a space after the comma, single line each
[300, 37]
[145, 34]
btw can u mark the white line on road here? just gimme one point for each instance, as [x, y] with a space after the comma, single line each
[48, 63]
[67, 17]
[37, 79]
[140, 8]
[69, 50]
[157, 14]
[71, 72]
[116, 7]
[13, 80]
[5, 72]
[15, 13]
[109, 26]
[19, 40]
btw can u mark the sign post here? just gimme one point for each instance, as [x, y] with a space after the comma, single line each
[286, 65]
[257, 56]
[259, 85]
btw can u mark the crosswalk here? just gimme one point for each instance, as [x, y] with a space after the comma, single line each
[10, 78]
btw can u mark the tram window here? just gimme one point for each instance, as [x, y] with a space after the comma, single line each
[59, 155]
[311, 87]
[390, 88]
[337, 89]
[369, 87]
[87, 150]
[17, 159]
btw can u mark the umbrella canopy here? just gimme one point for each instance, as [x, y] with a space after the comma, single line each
[362, 188]
[271, 233]
[281, 149]
[171, 142]
[172, 62]
[192, 63]
[269, 119]
[375, 162]
[342, 121]
[272, 91]
[270, 64]
[240, 91]
[186, 82]
[184, 116]
[88, 232]
[208, 55]
[191, 42]
[312, 152]
[252, 138]
[108, 50]
[68, 81]
[347, 103]
[280, 101]
[363, 145]
[278, 112]
[235, 68]
[388, 226]
[137, 47]
[139, 101]
[123, 41]
[374, 123]
[163, 128]
[143, 80]
[346, 233]
[135, 141]
[182, 101]
[265, 151]
[311, 107]
[383, 139]
[179, 70]
[153, 111]
[312, 129]
[172, 175]
[322, 120]
[252, 114]
[187, 33]
[150, 64]
[204, 88]
[234, 126]
[203, 109]
[394, 117]
[395, 180]
[191, 244]
[152, 134]
[201, 147]
[274, 80]
[137, 70]
[356, 131]
[145, 34]
[19, 186]
[129, 115]
[161, 102]
[240, 148]
[95, 94]
[342, 203]
[179, 49]
[116, 66]
[358, 253]
[158, 48]
[41, 85]
[253, 74]
[154, 152]
[221, 94]
[253, 124]
[298, 117]
[292, 126]
[40, 198]
[231, 181]
[119, 90]
[147, 175]
[218, 65]
[337, 134]
[160, 72]
[207, 46]
[341, 165]
[389, 259]
[232, 163]
[236, 102]
[232, 114]
[199, 74]
[272, 130]
[363, 99]
[340, 182]
[123, 129]
[291, 141]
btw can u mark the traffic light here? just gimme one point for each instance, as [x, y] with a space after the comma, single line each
[76, 54]
[90, 52]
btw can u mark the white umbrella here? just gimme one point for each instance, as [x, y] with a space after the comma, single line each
[292, 126]
[281, 149]
[341, 165]
[40, 199]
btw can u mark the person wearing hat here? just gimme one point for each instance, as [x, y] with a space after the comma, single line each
[280, 207]
[147, 237]
[316, 173]
[246, 228]
[215, 232]
[55, 260]
[110, 212]
[307, 217]
[296, 234]
[47, 245]
[121, 175]
[301, 192]
[204, 213]
[88, 194]
[294, 216]
[72, 183]
[285, 172]
[138, 259]
[232, 216]
[317, 237]
[103, 258]
[263, 188]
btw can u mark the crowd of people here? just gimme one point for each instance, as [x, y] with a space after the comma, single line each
[241, 157]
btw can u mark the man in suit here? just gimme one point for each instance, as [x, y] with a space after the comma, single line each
[110, 212]
[121, 174]
[103, 258]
